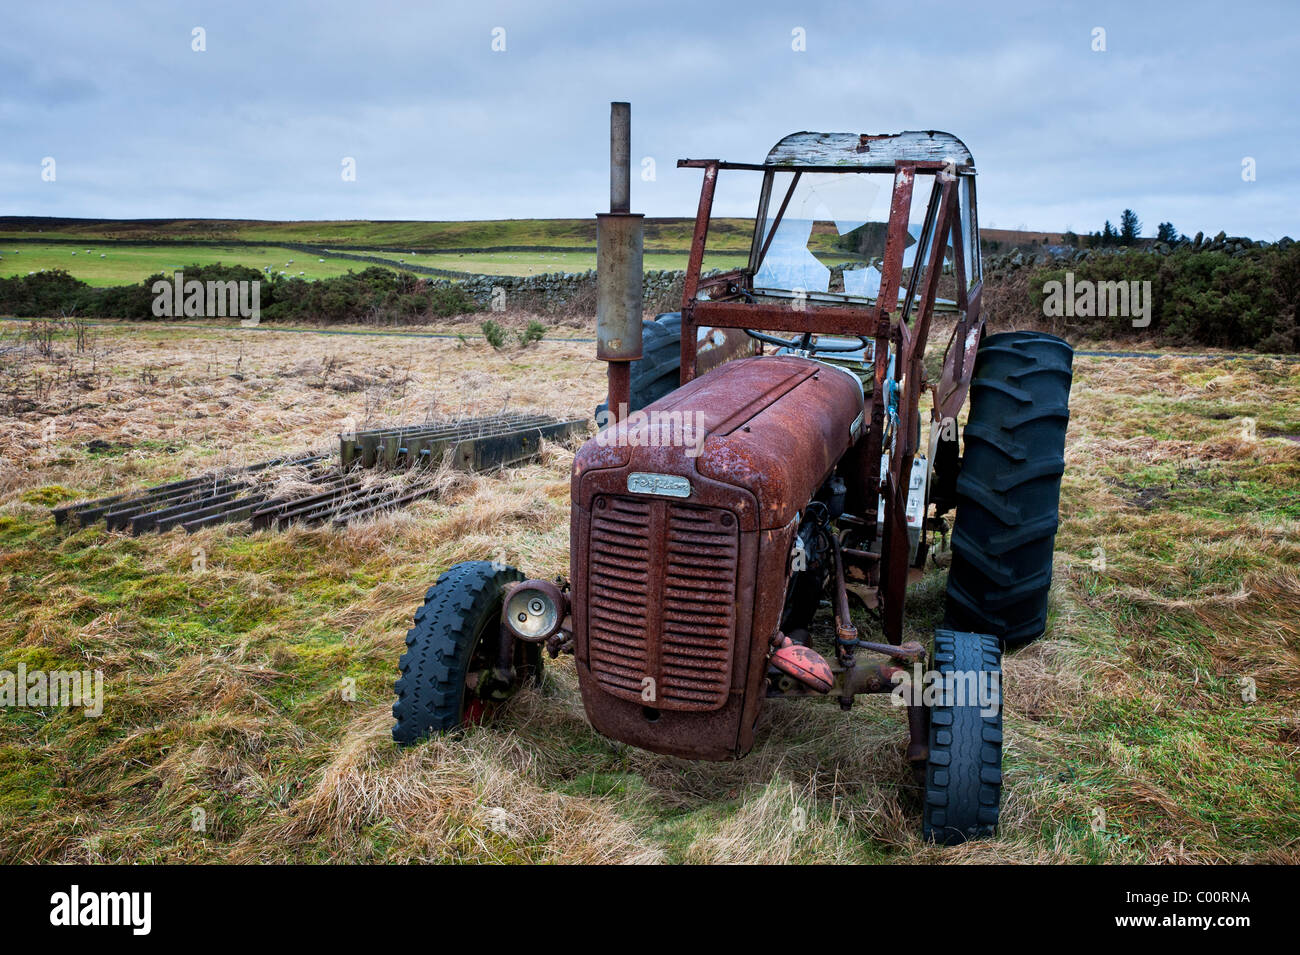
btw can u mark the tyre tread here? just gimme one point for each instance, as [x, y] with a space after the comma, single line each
[963, 776]
[1008, 488]
[433, 668]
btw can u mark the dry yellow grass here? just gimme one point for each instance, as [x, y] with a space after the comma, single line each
[225, 687]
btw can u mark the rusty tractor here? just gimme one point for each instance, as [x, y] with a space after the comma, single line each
[761, 472]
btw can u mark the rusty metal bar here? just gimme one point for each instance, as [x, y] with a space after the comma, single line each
[846, 634]
[900, 209]
[620, 390]
[760, 222]
[223, 512]
[912, 361]
[922, 251]
[148, 521]
[848, 682]
[780, 214]
[395, 502]
[813, 318]
[959, 362]
[894, 569]
[691, 284]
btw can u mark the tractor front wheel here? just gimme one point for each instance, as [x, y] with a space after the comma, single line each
[963, 777]
[451, 676]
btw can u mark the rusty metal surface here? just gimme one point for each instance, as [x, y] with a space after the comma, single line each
[691, 284]
[716, 733]
[620, 243]
[619, 395]
[776, 425]
[661, 601]
[805, 665]
[619, 283]
[716, 346]
[785, 318]
[900, 207]
[550, 591]
[654, 567]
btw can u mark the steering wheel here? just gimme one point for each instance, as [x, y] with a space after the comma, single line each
[806, 344]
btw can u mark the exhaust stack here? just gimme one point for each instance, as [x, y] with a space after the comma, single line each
[620, 241]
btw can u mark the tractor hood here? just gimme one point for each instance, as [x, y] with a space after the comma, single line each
[774, 426]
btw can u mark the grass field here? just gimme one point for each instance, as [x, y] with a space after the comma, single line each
[725, 234]
[1128, 738]
[108, 263]
[112, 264]
[560, 245]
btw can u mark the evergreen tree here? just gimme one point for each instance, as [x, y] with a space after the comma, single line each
[1129, 227]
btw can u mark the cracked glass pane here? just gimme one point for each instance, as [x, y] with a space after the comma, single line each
[831, 237]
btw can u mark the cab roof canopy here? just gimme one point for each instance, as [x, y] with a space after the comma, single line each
[868, 151]
[855, 152]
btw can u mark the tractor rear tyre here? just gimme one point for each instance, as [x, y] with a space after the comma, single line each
[963, 777]
[450, 675]
[1009, 487]
[657, 371]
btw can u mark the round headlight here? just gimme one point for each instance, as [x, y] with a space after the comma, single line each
[534, 610]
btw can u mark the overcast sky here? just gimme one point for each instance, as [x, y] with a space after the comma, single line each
[441, 126]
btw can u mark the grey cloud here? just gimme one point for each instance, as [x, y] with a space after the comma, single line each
[442, 127]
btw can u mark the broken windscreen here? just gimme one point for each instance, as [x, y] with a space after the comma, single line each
[830, 237]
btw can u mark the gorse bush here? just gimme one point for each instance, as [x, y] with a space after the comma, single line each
[494, 333]
[534, 331]
[42, 294]
[375, 294]
[1197, 297]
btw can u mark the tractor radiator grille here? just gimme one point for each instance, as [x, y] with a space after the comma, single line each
[661, 601]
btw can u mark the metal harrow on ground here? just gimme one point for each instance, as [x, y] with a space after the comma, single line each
[339, 492]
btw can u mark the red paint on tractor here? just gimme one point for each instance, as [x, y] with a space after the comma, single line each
[678, 598]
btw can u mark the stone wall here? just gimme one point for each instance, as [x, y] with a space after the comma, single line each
[563, 292]
[575, 292]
